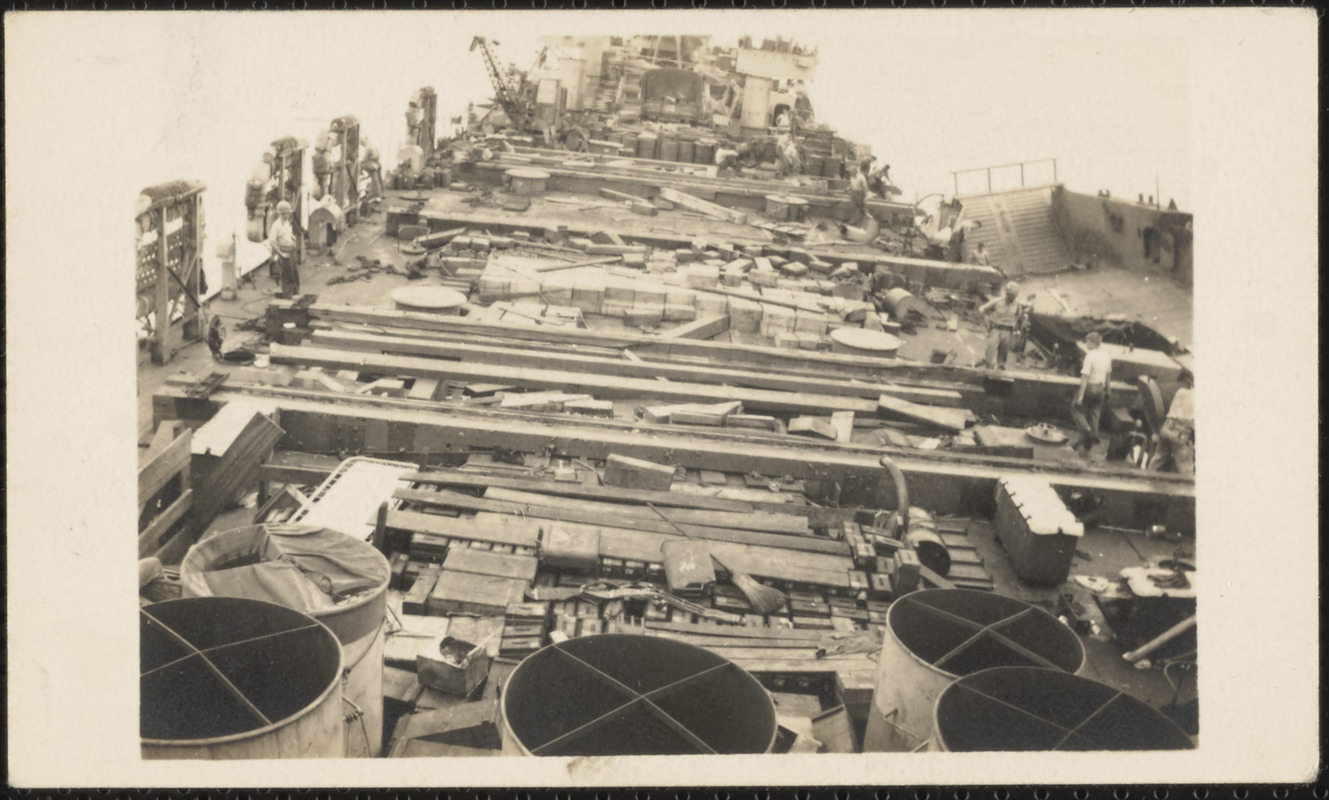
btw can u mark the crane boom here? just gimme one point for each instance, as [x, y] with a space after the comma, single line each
[503, 93]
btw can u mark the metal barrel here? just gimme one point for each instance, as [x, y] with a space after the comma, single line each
[669, 149]
[937, 635]
[646, 145]
[622, 694]
[234, 678]
[1024, 708]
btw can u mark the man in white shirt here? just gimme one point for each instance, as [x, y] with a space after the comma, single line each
[1003, 318]
[281, 241]
[858, 192]
[1176, 437]
[1091, 398]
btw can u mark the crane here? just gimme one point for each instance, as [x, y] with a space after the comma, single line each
[505, 95]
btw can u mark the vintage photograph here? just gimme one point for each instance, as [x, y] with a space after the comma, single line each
[611, 389]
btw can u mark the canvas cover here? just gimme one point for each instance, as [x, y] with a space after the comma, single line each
[300, 566]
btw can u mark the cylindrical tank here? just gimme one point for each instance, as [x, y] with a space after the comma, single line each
[937, 635]
[864, 342]
[629, 143]
[686, 150]
[621, 694]
[704, 152]
[223, 564]
[646, 145]
[668, 149]
[1025, 708]
[231, 678]
[527, 182]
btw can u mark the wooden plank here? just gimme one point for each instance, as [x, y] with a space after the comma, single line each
[947, 419]
[589, 262]
[743, 520]
[149, 539]
[843, 422]
[600, 386]
[700, 328]
[731, 641]
[1030, 390]
[618, 494]
[503, 565]
[591, 516]
[740, 631]
[452, 528]
[702, 206]
[160, 470]
[236, 469]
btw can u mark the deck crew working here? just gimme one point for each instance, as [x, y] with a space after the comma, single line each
[1176, 437]
[1091, 398]
[858, 192]
[281, 241]
[1002, 315]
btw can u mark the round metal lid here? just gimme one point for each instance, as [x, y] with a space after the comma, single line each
[864, 339]
[522, 172]
[622, 694]
[1021, 708]
[962, 631]
[430, 298]
[212, 667]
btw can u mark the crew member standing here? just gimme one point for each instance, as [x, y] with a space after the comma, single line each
[980, 256]
[369, 163]
[281, 241]
[858, 192]
[1176, 437]
[1091, 398]
[1002, 315]
[413, 122]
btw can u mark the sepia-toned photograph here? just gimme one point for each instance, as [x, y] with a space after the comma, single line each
[531, 386]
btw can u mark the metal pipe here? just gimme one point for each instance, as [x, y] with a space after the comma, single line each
[1160, 640]
[901, 490]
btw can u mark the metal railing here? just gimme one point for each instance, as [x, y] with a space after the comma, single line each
[955, 176]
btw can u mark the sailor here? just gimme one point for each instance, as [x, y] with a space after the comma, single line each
[981, 256]
[1175, 446]
[369, 163]
[281, 241]
[791, 156]
[1091, 398]
[727, 158]
[322, 164]
[858, 192]
[1002, 314]
[782, 121]
[412, 122]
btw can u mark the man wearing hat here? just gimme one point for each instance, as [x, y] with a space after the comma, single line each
[1175, 445]
[281, 241]
[1002, 314]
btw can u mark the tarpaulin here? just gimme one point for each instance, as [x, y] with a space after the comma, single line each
[303, 567]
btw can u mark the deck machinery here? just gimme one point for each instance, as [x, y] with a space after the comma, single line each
[169, 266]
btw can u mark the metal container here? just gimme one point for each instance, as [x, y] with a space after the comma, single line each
[686, 151]
[1023, 708]
[231, 678]
[937, 635]
[923, 537]
[357, 623]
[629, 143]
[704, 152]
[669, 149]
[864, 342]
[527, 182]
[620, 694]
[646, 145]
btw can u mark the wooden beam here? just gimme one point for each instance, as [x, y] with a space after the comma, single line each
[945, 418]
[163, 467]
[149, 539]
[701, 328]
[600, 386]
[576, 490]
[851, 476]
[592, 516]
[639, 368]
[702, 206]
